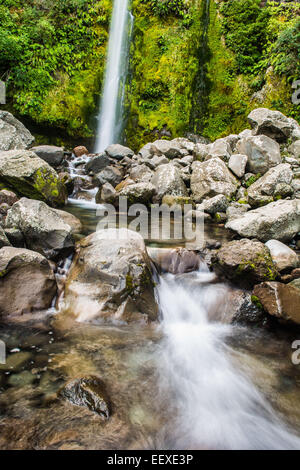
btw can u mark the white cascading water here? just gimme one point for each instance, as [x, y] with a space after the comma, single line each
[217, 406]
[110, 119]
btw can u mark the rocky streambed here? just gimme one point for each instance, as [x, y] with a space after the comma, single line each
[90, 319]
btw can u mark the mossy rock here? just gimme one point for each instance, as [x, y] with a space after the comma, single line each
[28, 175]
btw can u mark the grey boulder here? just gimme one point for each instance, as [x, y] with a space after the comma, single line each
[263, 153]
[13, 134]
[167, 180]
[50, 154]
[275, 183]
[274, 124]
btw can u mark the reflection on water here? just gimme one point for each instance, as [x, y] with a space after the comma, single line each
[189, 382]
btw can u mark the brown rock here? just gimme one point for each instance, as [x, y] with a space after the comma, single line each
[80, 150]
[7, 197]
[279, 300]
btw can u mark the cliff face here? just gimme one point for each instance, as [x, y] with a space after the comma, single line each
[196, 65]
[203, 69]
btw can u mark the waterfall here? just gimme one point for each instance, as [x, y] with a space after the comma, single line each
[217, 405]
[110, 119]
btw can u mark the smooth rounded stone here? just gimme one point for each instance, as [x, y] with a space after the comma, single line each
[211, 178]
[169, 148]
[263, 153]
[118, 151]
[279, 300]
[294, 149]
[30, 176]
[221, 149]
[146, 151]
[167, 180]
[201, 152]
[236, 210]
[44, 229]
[181, 201]
[13, 134]
[20, 380]
[15, 361]
[271, 184]
[3, 238]
[237, 164]
[8, 197]
[27, 282]
[215, 204]
[158, 160]
[49, 153]
[273, 124]
[111, 279]
[141, 174]
[90, 392]
[245, 262]
[174, 261]
[97, 163]
[110, 175]
[106, 194]
[138, 193]
[284, 258]
[278, 220]
[80, 150]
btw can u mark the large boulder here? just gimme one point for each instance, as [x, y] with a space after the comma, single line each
[110, 175]
[210, 178]
[273, 124]
[30, 176]
[97, 163]
[169, 148]
[278, 220]
[263, 153]
[167, 180]
[221, 149]
[237, 164]
[141, 174]
[175, 261]
[111, 279]
[141, 193]
[50, 154]
[13, 134]
[245, 262]
[118, 152]
[27, 282]
[285, 259]
[279, 300]
[44, 229]
[275, 183]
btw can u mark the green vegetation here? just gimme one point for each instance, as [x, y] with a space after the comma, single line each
[52, 55]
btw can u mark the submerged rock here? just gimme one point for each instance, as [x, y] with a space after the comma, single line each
[111, 278]
[175, 261]
[90, 392]
[210, 178]
[30, 176]
[44, 229]
[279, 300]
[279, 220]
[13, 134]
[245, 262]
[27, 282]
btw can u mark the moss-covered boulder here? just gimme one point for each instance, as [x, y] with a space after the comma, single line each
[245, 262]
[30, 176]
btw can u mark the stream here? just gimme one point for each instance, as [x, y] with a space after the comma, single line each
[189, 382]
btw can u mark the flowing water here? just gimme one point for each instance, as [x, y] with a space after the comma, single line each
[110, 120]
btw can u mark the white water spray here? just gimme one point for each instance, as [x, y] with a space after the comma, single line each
[217, 406]
[110, 120]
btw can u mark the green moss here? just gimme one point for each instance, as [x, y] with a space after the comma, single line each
[252, 180]
[255, 300]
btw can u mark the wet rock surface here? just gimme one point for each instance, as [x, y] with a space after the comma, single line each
[279, 300]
